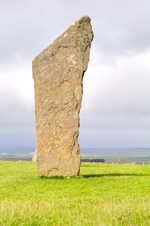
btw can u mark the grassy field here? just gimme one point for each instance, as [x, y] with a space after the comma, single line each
[103, 194]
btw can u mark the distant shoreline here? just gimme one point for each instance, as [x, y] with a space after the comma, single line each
[97, 152]
[87, 159]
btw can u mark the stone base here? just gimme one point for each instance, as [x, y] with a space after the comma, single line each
[49, 166]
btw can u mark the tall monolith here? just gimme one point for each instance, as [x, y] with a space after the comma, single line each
[58, 73]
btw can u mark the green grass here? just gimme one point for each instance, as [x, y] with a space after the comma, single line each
[103, 194]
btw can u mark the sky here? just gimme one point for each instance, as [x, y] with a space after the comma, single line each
[116, 87]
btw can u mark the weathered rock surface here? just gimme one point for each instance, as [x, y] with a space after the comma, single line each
[58, 72]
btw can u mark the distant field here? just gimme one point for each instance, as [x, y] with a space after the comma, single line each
[136, 160]
[103, 194]
[130, 160]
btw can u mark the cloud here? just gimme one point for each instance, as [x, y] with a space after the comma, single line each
[116, 101]
[118, 88]
[29, 26]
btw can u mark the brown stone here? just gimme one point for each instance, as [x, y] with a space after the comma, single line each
[58, 72]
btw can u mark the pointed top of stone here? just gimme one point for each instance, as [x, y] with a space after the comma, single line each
[84, 19]
[74, 35]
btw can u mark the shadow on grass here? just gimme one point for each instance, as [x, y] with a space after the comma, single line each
[91, 176]
[114, 175]
[52, 177]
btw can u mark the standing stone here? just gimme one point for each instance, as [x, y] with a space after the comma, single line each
[58, 73]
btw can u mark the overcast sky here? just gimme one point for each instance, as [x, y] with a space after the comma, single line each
[116, 99]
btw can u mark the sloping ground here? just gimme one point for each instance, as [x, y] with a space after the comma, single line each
[103, 194]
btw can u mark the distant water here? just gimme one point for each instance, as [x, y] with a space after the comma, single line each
[16, 151]
[99, 152]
